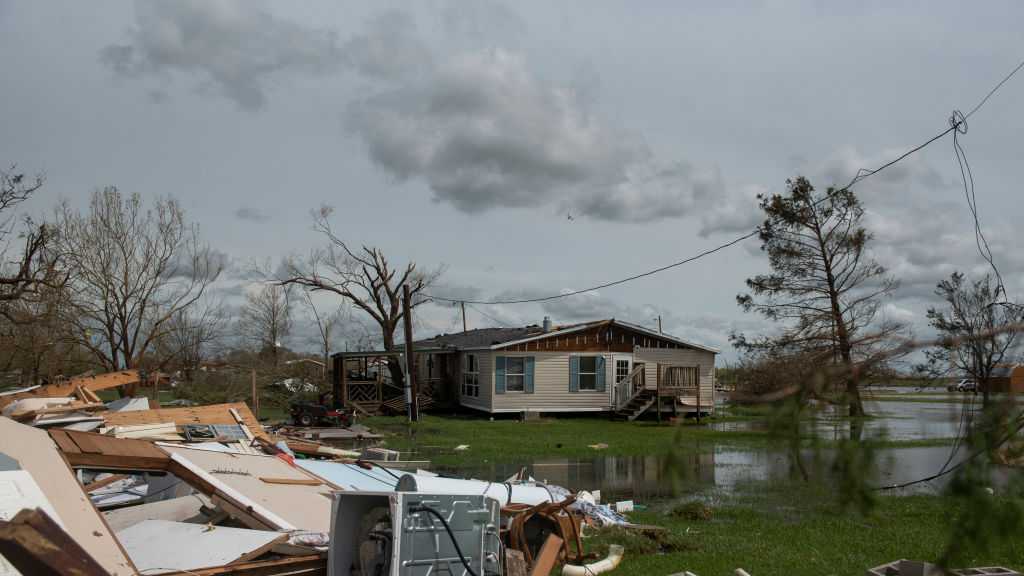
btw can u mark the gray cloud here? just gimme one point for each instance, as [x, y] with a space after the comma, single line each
[483, 131]
[390, 48]
[233, 46]
[251, 214]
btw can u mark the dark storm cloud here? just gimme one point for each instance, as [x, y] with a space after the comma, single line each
[484, 131]
[232, 45]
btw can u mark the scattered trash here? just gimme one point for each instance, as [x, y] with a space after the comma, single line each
[624, 506]
[598, 446]
[917, 568]
[610, 562]
[462, 447]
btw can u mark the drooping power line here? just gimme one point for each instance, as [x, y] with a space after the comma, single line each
[958, 122]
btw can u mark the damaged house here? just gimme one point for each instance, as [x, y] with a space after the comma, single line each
[600, 366]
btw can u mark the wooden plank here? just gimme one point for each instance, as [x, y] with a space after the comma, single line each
[63, 441]
[212, 414]
[294, 481]
[34, 544]
[86, 443]
[547, 557]
[105, 482]
[314, 565]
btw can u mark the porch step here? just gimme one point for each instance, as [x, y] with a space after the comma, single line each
[397, 405]
[637, 406]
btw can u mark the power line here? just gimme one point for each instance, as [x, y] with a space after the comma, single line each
[488, 316]
[605, 285]
[957, 123]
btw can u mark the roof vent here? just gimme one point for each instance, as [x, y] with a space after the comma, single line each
[547, 324]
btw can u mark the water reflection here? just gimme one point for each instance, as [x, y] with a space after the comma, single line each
[719, 470]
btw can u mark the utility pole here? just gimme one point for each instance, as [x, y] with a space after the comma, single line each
[659, 324]
[463, 317]
[410, 373]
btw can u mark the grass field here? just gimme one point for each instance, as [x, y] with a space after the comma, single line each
[789, 536]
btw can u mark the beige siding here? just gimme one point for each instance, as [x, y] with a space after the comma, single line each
[486, 366]
[551, 386]
[688, 357]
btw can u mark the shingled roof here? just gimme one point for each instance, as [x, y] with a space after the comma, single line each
[479, 338]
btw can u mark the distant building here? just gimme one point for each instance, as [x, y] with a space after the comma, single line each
[1007, 378]
[599, 366]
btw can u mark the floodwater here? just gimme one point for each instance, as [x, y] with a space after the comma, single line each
[717, 470]
[892, 420]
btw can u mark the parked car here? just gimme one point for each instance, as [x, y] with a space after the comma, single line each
[964, 385]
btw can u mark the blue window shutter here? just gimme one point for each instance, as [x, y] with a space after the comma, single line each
[600, 373]
[574, 373]
[499, 374]
[529, 375]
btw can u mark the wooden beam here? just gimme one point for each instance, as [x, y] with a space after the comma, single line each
[315, 565]
[547, 557]
[105, 482]
[293, 481]
[34, 544]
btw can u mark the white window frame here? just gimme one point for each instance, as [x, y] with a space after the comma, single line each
[593, 374]
[509, 374]
[629, 368]
[471, 376]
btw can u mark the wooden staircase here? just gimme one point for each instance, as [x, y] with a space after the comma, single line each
[639, 404]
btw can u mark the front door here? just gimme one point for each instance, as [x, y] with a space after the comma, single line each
[621, 389]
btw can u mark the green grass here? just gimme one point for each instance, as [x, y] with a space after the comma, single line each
[795, 538]
[513, 441]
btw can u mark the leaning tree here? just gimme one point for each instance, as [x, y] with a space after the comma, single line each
[824, 286]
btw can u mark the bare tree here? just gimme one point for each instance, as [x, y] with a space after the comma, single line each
[132, 271]
[971, 340]
[823, 285]
[363, 277]
[266, 319]
[34, 266]
[327, 323]
[192, 335]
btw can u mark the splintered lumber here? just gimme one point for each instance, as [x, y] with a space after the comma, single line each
[34, 544]
[313, 565]
[212, 414]
[68, 388]
[98, 451]
[293, 481]
[37, 454]
[165, 431]
[315, 449]
[105, 482]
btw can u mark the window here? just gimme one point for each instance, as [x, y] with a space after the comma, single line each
[681, 377]
[588, 373]
[621, 370]
[515, 374]
[471, 377]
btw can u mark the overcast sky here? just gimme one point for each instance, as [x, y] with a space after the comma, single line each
[529, 147]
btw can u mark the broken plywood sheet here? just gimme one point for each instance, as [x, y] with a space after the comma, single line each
[181, 509]
[38, 455]
[194, 546]
[212, 414]
[238, 478]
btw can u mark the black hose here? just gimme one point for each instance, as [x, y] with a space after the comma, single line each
[439, 516]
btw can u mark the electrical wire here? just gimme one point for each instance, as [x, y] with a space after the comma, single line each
[488, 316]
[958, 465]
[444, 522]
[958, 121]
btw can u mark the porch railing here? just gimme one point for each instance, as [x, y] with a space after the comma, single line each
[628, 387]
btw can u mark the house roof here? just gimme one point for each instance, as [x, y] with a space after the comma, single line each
[495, 338]
[483, 337]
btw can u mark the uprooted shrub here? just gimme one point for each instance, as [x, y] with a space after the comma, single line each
[637, 541]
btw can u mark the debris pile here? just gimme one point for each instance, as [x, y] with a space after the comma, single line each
[125, 488]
